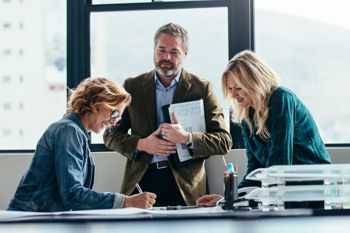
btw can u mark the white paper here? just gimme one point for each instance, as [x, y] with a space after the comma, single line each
[124, 213]
[136, 211]
[121, 211]
[191, 211]
[191, 117]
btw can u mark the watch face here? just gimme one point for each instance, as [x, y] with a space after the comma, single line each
[189, 143]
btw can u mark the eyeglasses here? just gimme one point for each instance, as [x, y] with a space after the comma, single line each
[173, 53]
[115, 115]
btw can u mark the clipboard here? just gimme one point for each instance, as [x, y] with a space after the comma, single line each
[191, 116]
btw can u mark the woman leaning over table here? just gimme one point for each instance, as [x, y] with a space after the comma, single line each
[61, 174]
[277, 127]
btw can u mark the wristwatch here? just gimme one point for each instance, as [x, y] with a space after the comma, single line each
[189, 143]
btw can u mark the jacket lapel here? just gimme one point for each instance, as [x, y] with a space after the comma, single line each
[183, 88]
[150, 99]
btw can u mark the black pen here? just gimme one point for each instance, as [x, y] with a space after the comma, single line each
[180, 207]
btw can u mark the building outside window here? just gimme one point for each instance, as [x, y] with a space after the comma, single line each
[33, 66]
[307, 44]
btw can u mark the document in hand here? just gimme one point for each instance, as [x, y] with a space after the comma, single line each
[191, 117]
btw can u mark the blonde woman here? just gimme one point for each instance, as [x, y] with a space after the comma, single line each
[61, 174]
[277, 127]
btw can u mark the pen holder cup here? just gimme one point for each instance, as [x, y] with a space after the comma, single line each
[230, 190]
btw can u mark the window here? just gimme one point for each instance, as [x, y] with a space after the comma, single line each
[135, 1]
[117, 1]
[6, 25]
[6, 52]
[6, 132]
[120, 50]
[307, 44]
[7, 106]
[120, 38]
[30, 103]
[6, 79]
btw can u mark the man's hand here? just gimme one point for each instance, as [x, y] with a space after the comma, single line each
[174, 132]
[141, 200]
[156, 146]
[208, 200]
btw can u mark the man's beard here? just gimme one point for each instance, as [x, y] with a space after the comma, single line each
[170, 71]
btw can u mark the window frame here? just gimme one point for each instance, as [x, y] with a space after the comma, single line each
[240, 32]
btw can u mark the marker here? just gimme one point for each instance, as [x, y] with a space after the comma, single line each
[138, 188]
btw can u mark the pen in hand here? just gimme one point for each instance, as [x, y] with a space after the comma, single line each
[138, 188]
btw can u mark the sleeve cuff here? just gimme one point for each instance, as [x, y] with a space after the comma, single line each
[190, 142]
[136, 153]
[118, 201]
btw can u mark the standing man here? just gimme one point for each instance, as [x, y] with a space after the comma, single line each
[149, 162]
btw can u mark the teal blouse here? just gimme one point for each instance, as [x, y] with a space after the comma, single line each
[294, 137]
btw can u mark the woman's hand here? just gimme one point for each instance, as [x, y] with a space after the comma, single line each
[142, 200]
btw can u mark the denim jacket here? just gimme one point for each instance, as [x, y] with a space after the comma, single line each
[61, 174]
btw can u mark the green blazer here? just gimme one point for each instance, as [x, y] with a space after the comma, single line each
[140, 117]
[294, 136]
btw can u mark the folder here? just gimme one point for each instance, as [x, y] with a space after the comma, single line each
[192, 118]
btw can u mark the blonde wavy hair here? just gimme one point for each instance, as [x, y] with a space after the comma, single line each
[259, 81]
[92, 92]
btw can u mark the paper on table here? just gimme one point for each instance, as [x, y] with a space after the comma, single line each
[9, 215]
[134, 211]
[6, 216]
[191, 117]
[122, 211]
[191, 211]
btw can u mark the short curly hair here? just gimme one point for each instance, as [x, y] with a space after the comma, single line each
[96, 91]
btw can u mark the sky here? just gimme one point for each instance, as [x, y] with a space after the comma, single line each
[330, 11]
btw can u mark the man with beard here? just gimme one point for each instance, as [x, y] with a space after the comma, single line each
[148, 155]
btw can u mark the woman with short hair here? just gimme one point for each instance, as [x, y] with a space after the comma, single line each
[61, 174]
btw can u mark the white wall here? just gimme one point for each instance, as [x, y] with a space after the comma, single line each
[108, 177]
[110, 170]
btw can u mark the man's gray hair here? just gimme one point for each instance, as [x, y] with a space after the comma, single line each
[173, 29]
